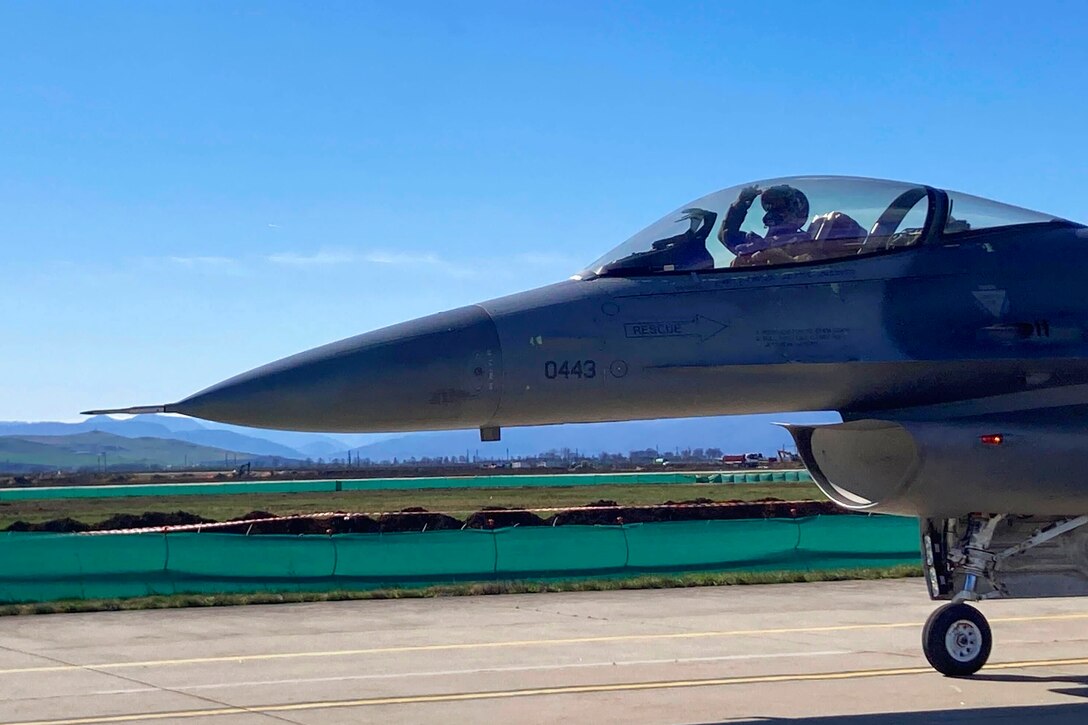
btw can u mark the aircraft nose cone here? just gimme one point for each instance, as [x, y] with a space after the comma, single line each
[437, 372]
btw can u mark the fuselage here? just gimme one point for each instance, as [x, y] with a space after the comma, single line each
[926, 325]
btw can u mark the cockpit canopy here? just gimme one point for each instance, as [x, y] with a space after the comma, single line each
[803, 219]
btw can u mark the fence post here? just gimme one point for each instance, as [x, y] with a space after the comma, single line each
[335, 556]
[165, 551]
[797, 544]
[626, 544]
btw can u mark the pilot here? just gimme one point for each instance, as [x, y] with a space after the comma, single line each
[786, 211]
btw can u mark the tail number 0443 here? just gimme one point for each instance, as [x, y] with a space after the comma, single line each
[567, 369]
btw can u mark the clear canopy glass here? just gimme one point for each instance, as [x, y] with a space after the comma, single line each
[968, 213]
[798, 219]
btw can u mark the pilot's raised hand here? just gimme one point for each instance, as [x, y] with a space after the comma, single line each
[748, 194]
[693, 214]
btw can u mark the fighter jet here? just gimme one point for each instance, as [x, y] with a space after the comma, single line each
[949, 331]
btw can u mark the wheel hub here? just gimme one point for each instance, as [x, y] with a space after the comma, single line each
[963, 641]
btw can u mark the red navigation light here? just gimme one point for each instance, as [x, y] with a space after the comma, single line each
[992, 439]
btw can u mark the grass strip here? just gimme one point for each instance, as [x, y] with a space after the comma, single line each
[464, 501]
[651, 581]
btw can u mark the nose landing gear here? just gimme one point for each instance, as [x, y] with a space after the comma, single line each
[957, 640]
[973, 555]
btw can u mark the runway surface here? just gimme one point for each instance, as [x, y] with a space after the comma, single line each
[843, 652]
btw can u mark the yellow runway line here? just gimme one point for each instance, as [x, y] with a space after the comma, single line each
[505, 644]
[537, 692]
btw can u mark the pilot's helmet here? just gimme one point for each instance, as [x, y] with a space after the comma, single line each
[785, 206]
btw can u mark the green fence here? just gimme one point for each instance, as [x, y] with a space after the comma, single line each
[45, 567]
[379, 484]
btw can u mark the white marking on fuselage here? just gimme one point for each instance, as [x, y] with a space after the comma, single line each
[994, 301]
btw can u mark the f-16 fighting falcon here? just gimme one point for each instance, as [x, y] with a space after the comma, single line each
[949, 331]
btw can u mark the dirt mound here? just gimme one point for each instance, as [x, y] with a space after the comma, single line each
[248, 524]
[496, 517]
[150, 519]
[417, 519]
[352, 525]
[597, 513]
[603, 513]
[56, 526]
[290, 527]
[409, 519]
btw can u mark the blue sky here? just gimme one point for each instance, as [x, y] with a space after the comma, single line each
[188, 190]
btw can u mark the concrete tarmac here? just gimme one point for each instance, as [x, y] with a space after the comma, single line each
[809, 653]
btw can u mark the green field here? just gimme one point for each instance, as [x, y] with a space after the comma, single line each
[452, 501]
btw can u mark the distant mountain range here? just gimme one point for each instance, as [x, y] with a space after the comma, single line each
[51, 445]
[29, 454]
[287, 444]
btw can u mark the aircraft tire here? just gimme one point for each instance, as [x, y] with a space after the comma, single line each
[957, 640]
